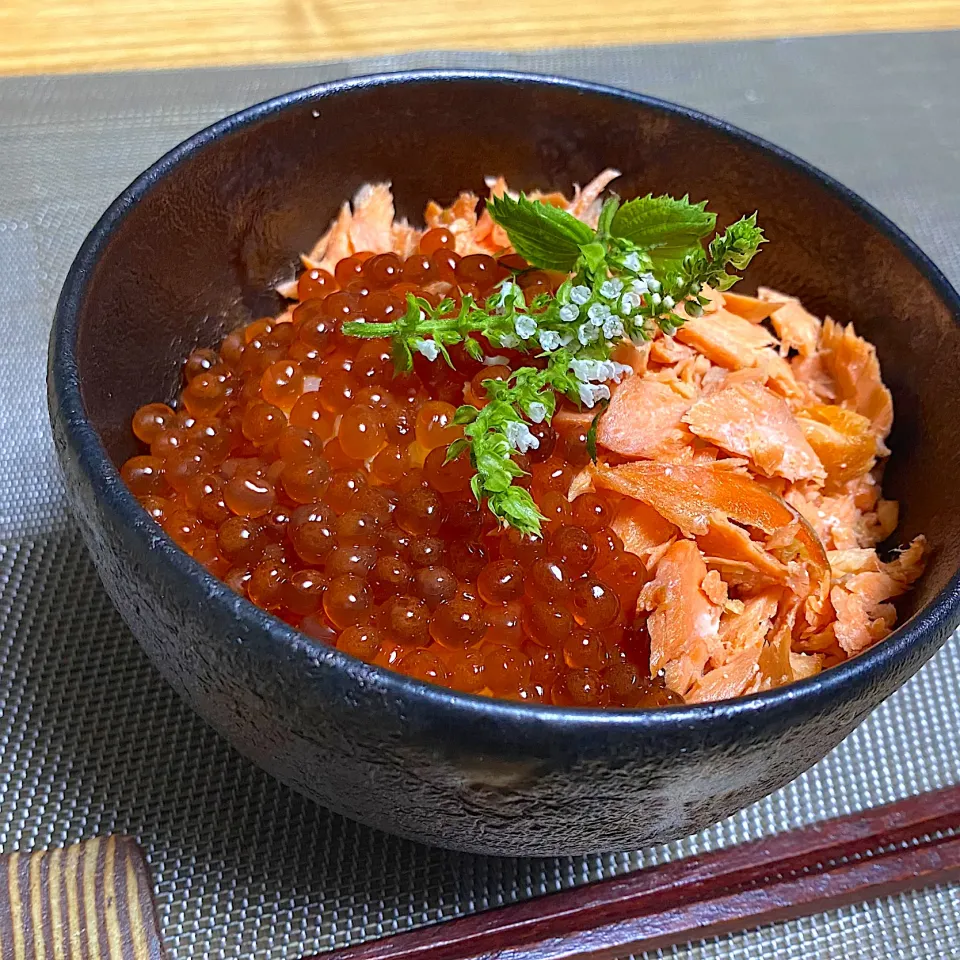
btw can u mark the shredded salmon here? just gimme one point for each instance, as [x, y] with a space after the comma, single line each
[754, 309]
[741, 459]
[844, 441]
[684, 623]
[781, 463]
[746, 630]
[748, 420]
[568, 418]
[635, 356]
[733, 679]
[864, 587]
[642, 530]
[585, 204]
[726, 339]
[796, 328]
[725, 542]
[669, 350]
[855, 369]
[661, 432]
[368, 223]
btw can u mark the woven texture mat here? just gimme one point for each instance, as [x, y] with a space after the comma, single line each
[93, 741]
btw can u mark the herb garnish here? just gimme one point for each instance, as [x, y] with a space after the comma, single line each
[627, 277]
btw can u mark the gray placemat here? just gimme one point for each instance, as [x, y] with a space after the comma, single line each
[93, 742]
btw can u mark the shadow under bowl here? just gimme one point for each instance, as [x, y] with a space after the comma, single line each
[193, 248]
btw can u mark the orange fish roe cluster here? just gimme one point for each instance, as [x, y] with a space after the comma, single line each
[301, 471]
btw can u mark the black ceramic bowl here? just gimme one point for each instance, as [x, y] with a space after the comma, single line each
[192, 249]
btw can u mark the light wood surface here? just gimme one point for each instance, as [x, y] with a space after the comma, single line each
[84, 35]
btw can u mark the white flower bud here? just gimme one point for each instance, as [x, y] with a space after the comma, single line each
[628, 303]
[508, 292]
[580, 294]
[591, 393]
[605, 370]
[525, 326]
[584, 369]
[427, 348]
[549, 340]
[537, 412]
[587, 333]
[597, 313]
[519, 436]
[611, 288]
[612, 328]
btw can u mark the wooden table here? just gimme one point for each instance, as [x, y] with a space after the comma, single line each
[81, 35]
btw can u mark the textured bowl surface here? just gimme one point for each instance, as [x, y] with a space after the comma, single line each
[193, 248]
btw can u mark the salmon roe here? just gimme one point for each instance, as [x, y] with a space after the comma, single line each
[299, 470]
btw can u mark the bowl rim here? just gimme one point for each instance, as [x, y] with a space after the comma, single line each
[939, 615]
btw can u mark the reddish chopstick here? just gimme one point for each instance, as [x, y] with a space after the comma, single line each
[870, 854]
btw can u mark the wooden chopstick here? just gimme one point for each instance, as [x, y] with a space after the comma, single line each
[854, 858]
